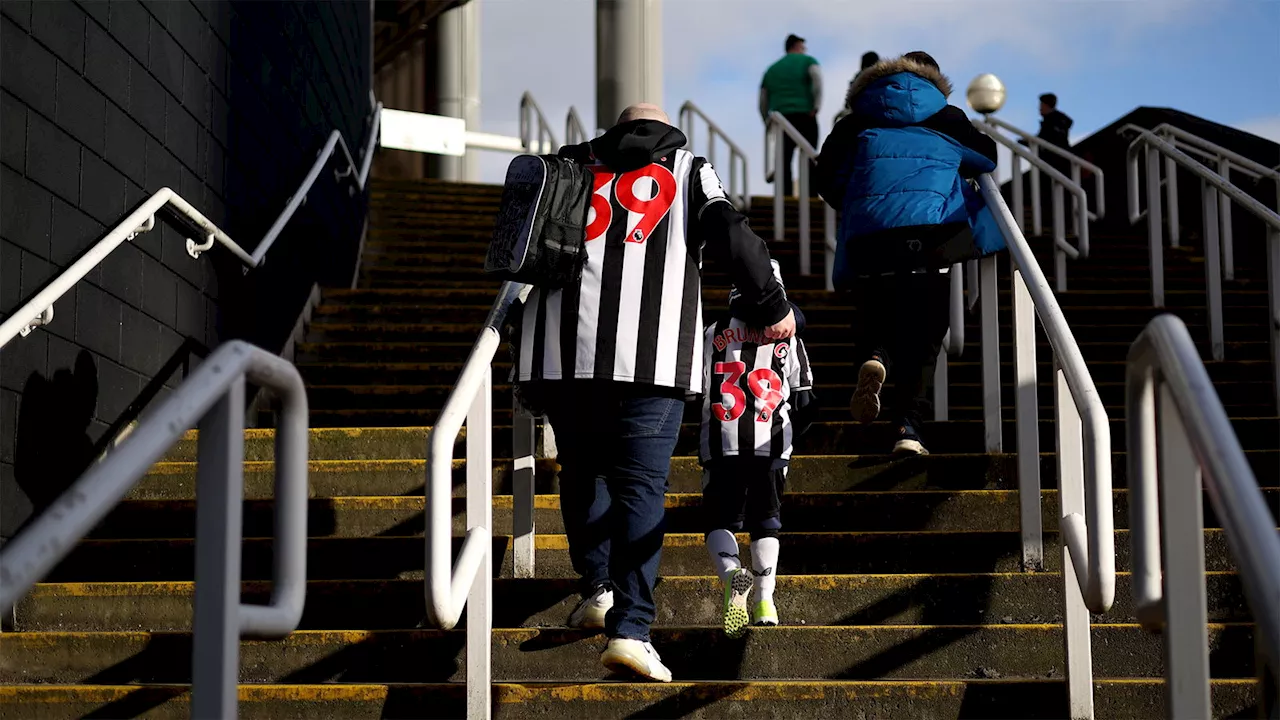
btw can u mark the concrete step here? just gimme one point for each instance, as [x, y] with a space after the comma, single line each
[475, 309]
[409, 278]
[824, 437]
[401, 556]
[378, 387]
[359, 400]
[427, 331]
[799, 653]
[423, 256]
[925, 700]
[809, 473]
[717, 293]
[860, 511]
[954, 599]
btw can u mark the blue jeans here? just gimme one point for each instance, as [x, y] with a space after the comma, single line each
[615, 443]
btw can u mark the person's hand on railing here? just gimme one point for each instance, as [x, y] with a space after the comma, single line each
[783, 329]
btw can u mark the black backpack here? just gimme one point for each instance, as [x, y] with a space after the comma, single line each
[540, 234]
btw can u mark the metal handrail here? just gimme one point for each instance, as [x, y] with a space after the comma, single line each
[737, 189]
[213, 398]
[536, 134]
[39, 309]
[574, 131]
[1077, 163]
[1083, 451]
[1211, 185]
[448, 587]
[1225, 161]
[777, 126]
[296, 200]
[1082, 216]
[1196, 442]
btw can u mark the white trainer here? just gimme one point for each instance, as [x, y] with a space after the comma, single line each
[623, 655]
[590, 612]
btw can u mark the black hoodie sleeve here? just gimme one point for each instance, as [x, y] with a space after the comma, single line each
[833, 166]
[952, 122]
[732, 246]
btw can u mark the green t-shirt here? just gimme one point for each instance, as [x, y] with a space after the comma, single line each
[788, 84]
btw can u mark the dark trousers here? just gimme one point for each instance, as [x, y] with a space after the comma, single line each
[807, 125]
[744, 492]
[902, 318]
[615, 444]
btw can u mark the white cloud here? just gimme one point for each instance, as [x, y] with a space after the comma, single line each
[1267, 127]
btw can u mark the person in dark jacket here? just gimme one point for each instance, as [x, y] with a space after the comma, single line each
[869, 59]
[897, 169]
[1055, 125]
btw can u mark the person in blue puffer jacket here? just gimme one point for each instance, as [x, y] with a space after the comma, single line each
[898, 168]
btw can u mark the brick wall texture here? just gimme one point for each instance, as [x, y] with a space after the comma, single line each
[103, 103]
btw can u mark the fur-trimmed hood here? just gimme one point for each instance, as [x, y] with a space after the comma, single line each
[893, 66]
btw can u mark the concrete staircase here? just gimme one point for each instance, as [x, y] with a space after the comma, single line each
[901, 592]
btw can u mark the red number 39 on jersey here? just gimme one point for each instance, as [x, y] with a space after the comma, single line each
[648, 193]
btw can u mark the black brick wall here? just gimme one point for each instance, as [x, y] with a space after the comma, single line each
[102, 103]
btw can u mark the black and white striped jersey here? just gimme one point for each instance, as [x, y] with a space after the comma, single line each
[637, 315]
[751, 386]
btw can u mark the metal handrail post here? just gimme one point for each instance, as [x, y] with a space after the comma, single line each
[1273, 304]
[993, 431]
[450, 587]
[829, 247]
[1077, 164]
[1026, 407]
[779, 188]
[802, 171]
[574, 131]
[1198, 450]
[1212, 268]
[1059, 241]
[213, 398]
[952, 343]
[1019, 206]
[1171, 201]
[523, 478]
[1155, 146]
[215, 649]
[479, 601]
[1155, 227]
[1038, 167]
[738, 174]
[1075, 201]
[1224, 220]
[941, 385]
[1037, 224]
[1084, 465]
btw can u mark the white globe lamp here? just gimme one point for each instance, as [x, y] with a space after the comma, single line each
[985, 94]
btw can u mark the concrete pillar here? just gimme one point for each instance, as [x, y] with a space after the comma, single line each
[458, 75]
[628, 56]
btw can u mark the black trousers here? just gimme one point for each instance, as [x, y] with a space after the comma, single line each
[901, 318]
[807, 125]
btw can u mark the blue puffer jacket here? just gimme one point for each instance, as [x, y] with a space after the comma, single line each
[897, 167]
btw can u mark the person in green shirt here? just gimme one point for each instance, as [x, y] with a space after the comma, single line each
[792, 86]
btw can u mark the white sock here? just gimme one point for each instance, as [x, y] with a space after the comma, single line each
[722, 547]
[764, 563]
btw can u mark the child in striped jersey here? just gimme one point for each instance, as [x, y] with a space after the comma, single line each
[759, 399]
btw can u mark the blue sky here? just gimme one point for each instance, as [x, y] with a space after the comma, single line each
[1219, 59]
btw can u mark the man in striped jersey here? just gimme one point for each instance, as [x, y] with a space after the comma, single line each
[612, 361]
[759, 399]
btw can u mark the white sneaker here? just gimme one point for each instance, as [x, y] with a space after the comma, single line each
[624, 655]
[591, 610]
